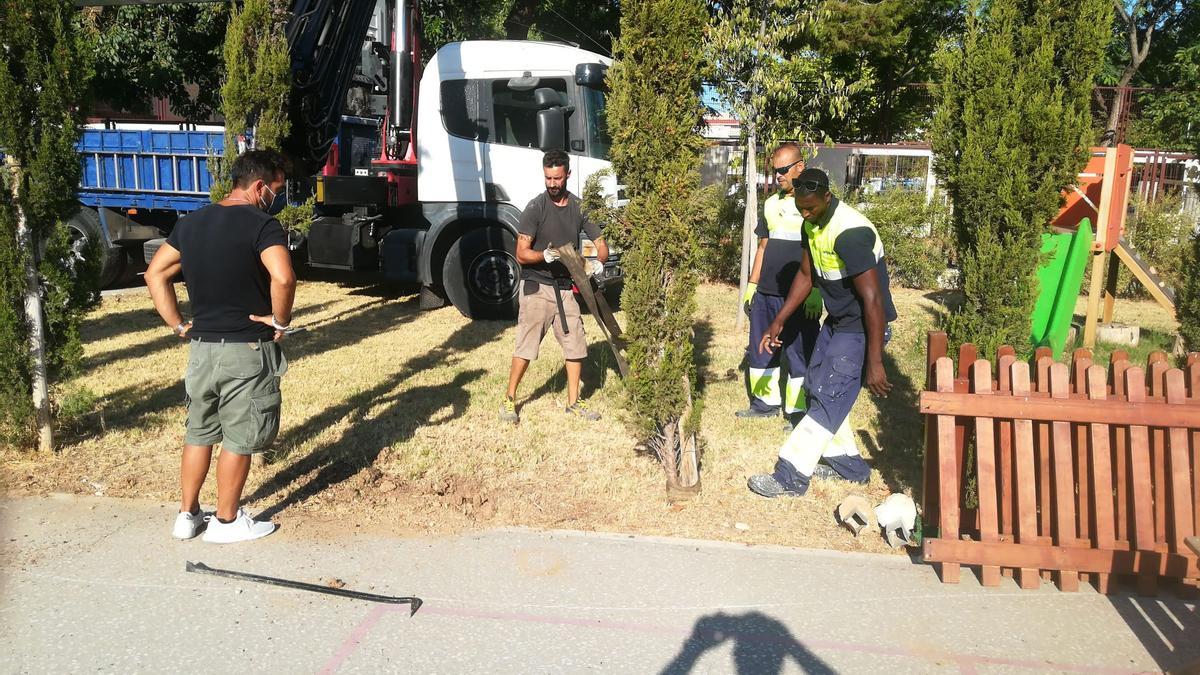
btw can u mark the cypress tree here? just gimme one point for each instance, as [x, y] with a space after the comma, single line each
[1011, 132]
[44, 287]
[654, 117]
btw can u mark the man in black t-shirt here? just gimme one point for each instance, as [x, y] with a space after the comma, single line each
[551, 219]
[240, 281]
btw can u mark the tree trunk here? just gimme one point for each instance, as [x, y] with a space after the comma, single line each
[1116, 108]
[750, 217]
[33, 315]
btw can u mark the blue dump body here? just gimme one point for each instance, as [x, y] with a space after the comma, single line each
[162, 169]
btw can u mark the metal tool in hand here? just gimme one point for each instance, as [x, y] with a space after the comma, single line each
[201, 568]
[595, 302]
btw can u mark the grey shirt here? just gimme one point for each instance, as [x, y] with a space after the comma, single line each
[552, 226]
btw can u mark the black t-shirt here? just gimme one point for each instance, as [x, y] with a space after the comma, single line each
[219, 247]
[552, 226]
[855, 246]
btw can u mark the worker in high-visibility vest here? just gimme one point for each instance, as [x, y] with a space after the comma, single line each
[846, 261]
[780, 249]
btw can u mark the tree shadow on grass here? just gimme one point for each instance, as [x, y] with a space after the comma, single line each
[900, 451]
[599, 366]
[761, 645]
[369, 434]
[359, 447]
[141, 405]
[102, 328]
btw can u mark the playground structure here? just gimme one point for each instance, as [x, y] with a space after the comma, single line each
[1100, 198]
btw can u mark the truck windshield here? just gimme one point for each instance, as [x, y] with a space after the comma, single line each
[599, 141]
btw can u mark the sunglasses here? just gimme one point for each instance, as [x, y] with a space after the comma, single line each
[780, 170]
[809, 185]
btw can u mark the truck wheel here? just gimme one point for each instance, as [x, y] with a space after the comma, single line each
[87, 239]
[481, 275]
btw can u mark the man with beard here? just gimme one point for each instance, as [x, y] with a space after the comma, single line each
[553, 218]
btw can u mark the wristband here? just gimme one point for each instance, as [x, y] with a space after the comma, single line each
[275, 324]
[181, 328]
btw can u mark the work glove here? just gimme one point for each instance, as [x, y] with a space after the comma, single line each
[751, 289]
[595, 268]
[550, 255]
[813, 306]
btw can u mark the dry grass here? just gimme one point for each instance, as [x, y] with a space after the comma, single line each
[390, 425]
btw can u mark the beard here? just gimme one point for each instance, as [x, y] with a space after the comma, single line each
[555, 193]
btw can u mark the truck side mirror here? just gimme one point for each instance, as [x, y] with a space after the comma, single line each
[551, 129]
[545, 97]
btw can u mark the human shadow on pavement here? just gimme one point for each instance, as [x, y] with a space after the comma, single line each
[761, 645]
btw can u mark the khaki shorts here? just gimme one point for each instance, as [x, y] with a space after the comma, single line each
[538, 311]
[233, 394]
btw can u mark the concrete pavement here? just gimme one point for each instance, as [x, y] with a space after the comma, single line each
[95, 584]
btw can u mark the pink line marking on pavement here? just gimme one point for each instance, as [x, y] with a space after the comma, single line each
[350, 644]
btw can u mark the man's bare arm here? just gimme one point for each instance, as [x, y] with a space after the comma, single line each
[525, 254]
[160, 275]
[867, 287]
[278, 262]
[756, 270]
[601, 249]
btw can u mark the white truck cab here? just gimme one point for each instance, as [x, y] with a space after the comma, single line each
[486, 113]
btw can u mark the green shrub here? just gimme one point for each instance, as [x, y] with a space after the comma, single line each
[1011, 131]
[1187, 299]
[916, 235]
[1161, 235]
[654, 116]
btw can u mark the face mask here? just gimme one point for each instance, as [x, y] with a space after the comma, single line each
[276, 203]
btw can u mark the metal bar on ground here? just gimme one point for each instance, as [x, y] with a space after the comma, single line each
[201, 568]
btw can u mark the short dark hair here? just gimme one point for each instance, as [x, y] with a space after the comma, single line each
[815, 176]
[789, 145]
[255, 165]
[556, 157]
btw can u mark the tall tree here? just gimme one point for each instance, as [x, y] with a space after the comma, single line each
[160, 51]
[1137, 22]
[654, 117]
[889, 45]
[43, 289]
[1011, 132]
[777, 92]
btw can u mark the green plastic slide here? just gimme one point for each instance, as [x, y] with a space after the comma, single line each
[1061, 279]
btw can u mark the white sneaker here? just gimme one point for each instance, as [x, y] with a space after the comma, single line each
[243, 528]
[188, 525]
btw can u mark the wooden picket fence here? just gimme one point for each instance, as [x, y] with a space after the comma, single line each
[1075, 469]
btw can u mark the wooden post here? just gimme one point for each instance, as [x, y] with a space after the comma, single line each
[936, 347]
[1142, 497]
[1082, 361]
[985, 462]
[948, 470]
[1120, 442]
[1100, 248]
[1182, 525]
[1110, 288]
[1102, 484]
[1064, 477]
[1026, 492]
[1157, 367]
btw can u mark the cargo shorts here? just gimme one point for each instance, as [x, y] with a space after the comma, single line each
[538, 311]
[233, 395]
